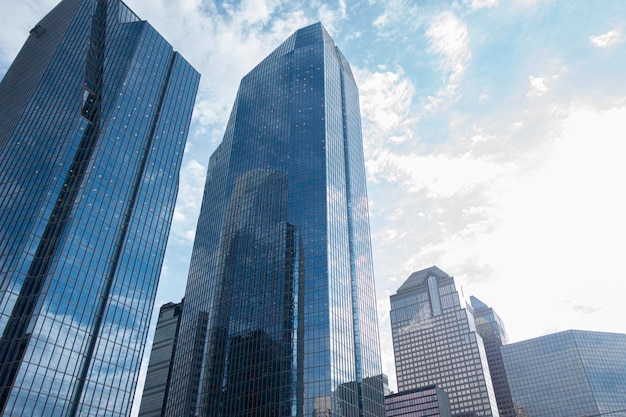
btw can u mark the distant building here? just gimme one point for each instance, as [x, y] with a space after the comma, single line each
[430, 401]
[491, 328]
[386, 389]
[435, 343]
[154, 399]
[572, 373]
[94, 116]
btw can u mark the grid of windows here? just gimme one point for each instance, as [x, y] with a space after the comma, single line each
[280, 311]
[491, 328]
[435, 343]
[88, 181]
[429, 401]
[161, 361]
[571, 373]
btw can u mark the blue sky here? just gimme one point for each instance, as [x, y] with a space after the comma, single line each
[494, 134]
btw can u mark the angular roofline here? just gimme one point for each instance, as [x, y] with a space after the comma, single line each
[416, 279]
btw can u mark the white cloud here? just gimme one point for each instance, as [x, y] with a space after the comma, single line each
[192, 180]
[394, 11]
[608, 39]
[330, 17]
[438, 176]
[479, 4]
[537, 86]
[386, 99]
[221, 46]
[380, 21]
[256, 11]
[527, 3]
[563, 223]
[448, 37]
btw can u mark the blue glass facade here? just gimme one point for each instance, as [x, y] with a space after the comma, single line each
[571, 373]
[491, 328]
[280, 310]
[94, 116]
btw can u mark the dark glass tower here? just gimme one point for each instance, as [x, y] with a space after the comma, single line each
[161, 362]
[94, 114]
[491, 328]
[280, 309]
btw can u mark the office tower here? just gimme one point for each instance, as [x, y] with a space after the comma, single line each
[94, 114]
[430, 401]
[572, 373]
[435, 343]
[386, 389]
[280, 309]
[491, 328]
[158, 376]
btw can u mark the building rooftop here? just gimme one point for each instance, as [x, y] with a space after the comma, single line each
[416, 279]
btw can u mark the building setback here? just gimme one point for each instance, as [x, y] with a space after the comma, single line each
[430, 401]
[491, 328]
[161, 365]
[435, 343]
[280, 308]
[94, 114]
[572, 373]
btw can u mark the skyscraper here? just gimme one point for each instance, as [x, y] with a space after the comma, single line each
[280, 309]
[94, 114]
[161, 362]
[491, 328]
[572, 373]
[435, 343]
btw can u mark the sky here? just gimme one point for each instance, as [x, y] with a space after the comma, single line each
[494, 134]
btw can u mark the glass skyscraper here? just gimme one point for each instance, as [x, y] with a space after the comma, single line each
[572, 373]
[491, 328]
[280, 308]
[161, 362]
[94, 114]
[435, 343]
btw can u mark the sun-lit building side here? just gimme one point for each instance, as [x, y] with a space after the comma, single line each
[435, 343]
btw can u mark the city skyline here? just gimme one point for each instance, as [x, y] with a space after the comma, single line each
[473, 113]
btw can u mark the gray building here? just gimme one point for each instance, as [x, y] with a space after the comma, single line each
[156, 388]
[430, 401]
[435, 343]
[491, 328]
[280, 307]
[94, 115]
[572, 373]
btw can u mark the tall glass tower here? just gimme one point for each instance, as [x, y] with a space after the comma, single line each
[491, 329]
[94, 115]
[280, 310]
